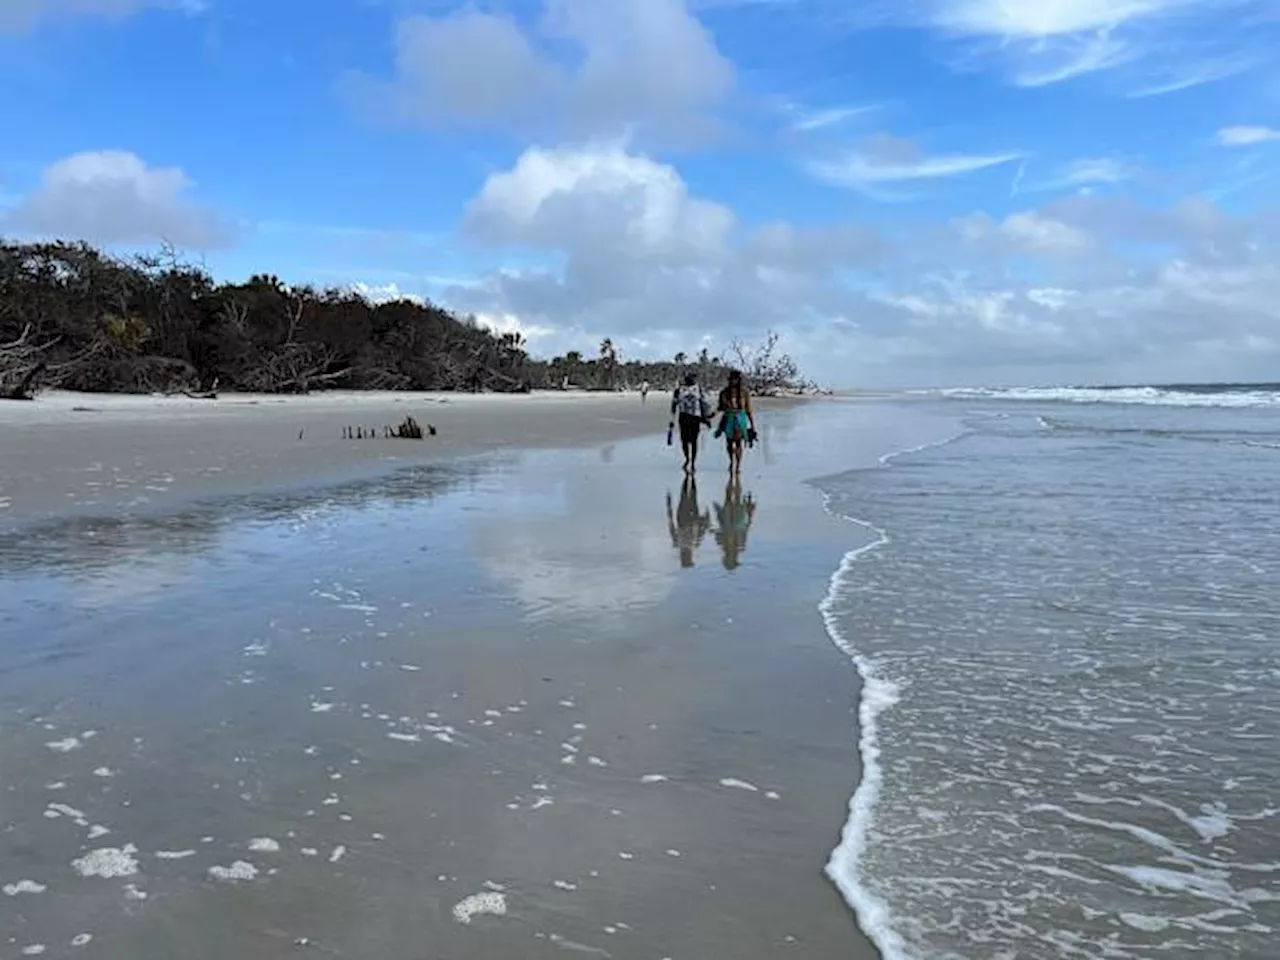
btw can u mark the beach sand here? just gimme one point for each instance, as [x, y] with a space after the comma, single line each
[476, 707]
[95, 453]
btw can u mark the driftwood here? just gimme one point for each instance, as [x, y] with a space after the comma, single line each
[410, 429]
[22, 364]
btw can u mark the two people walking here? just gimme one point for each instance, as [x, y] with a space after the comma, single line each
[692, 410]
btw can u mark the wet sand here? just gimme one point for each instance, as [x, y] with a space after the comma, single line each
[483, 706]
[105, 453]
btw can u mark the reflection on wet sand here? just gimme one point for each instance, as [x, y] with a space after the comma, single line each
[733, 522]
[93, 544]
[689, 524]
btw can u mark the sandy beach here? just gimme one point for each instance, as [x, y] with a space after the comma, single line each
[108, 452]
[510, 691]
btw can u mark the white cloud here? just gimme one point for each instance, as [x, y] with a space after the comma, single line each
[383, 292]
[886, 159]
[502, 323]
[1026, 232]
[646, 68]
[1167, 45]
[1087, 287]
[1246, 136]
[1097, 170]
[599, 202]
[1087, 174]
[18, 16]
[113, 197]
[643, 258]
[1046, 18]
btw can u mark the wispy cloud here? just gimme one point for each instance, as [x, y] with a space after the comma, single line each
[1088, 173]
[1042, 42]
[1246, 136]
[886, 159]
[1191, 73]
[811, 121]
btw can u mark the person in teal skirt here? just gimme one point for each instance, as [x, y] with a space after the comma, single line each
[737, 420]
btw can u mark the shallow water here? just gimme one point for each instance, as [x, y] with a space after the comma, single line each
[1071, 626]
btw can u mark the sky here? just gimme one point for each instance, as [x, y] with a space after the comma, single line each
[910, 192]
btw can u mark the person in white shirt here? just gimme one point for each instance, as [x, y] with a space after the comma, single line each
[689, 407]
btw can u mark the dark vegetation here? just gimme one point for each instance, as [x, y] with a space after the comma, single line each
[75, 318]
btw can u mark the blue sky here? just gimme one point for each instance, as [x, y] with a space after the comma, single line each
[929, 191]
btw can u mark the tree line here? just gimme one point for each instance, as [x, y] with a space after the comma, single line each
[75, 318]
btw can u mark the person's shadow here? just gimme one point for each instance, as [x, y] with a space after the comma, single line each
[688, 523]
[733, 522]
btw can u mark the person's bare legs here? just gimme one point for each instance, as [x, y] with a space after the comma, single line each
[690, 456]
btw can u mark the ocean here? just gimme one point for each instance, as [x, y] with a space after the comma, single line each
[1068, 621]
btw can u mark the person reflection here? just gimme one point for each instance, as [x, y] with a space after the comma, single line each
[689, 524]
[733, 519]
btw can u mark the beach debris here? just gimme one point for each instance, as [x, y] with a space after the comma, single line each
[409, 429]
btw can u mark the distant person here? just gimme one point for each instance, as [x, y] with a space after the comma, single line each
[689, 523]
[737, 420]
[733, 520]
[689, 407]
[644, 391]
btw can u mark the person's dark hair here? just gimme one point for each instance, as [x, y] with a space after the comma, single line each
[734, 387]
[690, 379]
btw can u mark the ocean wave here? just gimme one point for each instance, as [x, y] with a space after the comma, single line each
[1244, 396]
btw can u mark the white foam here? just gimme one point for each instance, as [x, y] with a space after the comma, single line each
[236, 873]
[564, 885]
[81, 939]
[1140, 921]
[108, 862]
[174, 854]
[1141, 396]
[878, 695]
[34, 950]
[321, 707]
[264, 845]
[653, 778]
[491, 903]
[338, 853]
[23, 886]
[733, 784]
[405, 737]
[104, 772]
[97, 830]
[56, 810]
[65, 745]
